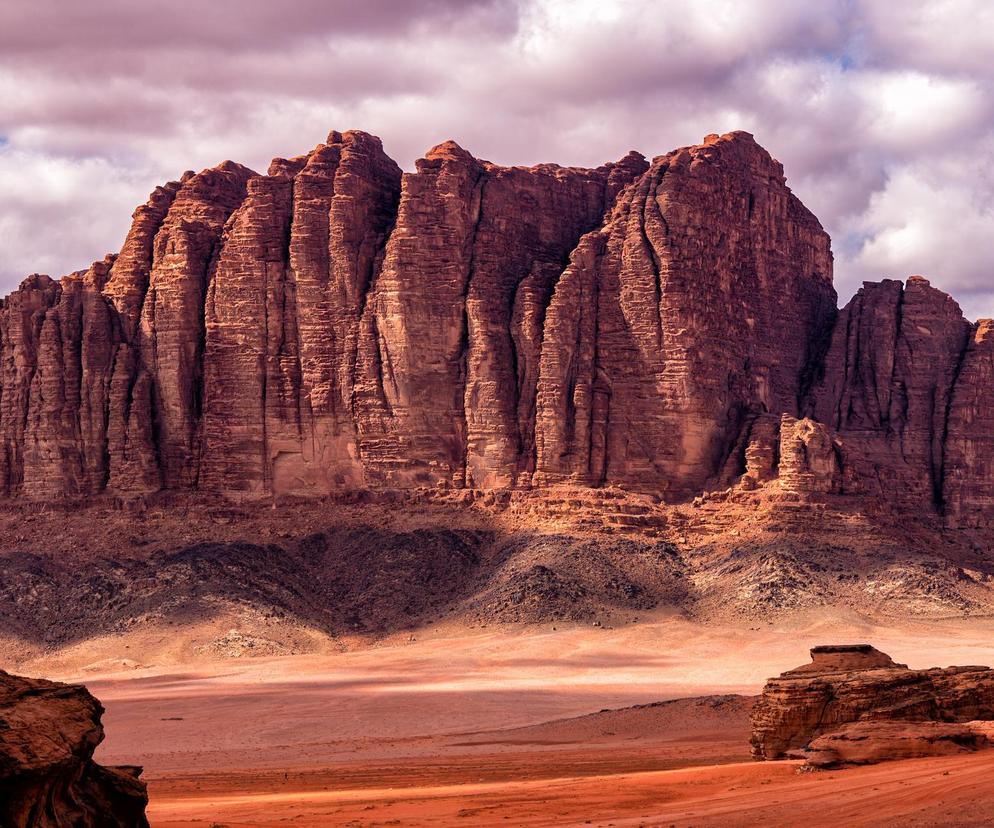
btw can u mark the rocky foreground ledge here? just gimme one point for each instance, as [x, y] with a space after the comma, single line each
[853, 705]
[48, 779]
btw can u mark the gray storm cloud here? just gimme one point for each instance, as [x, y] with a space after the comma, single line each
[880, 112]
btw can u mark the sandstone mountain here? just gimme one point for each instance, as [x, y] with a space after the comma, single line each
[667, 327]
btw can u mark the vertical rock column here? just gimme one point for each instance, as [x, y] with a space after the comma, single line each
[157, 389]
[968, 461]
[410, 403]
[894, 356]
[530, 220]
[453, 330]
[22, 317]
[65, 442]
[283, 313]
[344, 204]
[244, 311]
[131, 458]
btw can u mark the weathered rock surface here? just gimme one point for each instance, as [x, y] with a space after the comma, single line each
[668, 327]
[968, 447]
[283, 314]
[457, 314]
[889, 374]
[904, 389]
[853, 705]
[693, 310]
[48, 732]
[866, 743]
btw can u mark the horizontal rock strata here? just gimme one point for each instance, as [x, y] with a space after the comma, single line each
[667, 326]
[854, 705]
[866, 743]
[48, 732]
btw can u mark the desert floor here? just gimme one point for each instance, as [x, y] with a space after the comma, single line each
[512, 726]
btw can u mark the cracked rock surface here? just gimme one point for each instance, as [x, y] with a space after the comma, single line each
[48, 779]
[854, 705]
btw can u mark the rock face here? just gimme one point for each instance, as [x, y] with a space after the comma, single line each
[853, 704]
[801, 455]
[968, 447]
[667, 326]
[337, 324]
[452, 336]
[866, 743]
[283, 315]
[906, 389]
[895, 356]
[48, 778]
[692, 311]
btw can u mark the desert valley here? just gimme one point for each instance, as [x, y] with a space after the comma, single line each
[494, 495]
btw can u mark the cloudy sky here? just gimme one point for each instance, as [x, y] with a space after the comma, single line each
[881, 111]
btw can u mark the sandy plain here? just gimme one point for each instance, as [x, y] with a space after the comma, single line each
[508, 726]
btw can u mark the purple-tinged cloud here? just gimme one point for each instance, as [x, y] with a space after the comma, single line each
[879, 111]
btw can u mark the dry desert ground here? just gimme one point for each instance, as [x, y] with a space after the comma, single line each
[644, 724]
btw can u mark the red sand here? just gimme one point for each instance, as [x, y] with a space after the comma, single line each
[475, 728]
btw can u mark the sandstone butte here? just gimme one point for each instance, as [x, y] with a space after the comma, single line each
[47, 774]
[854, 705]
[668, 327]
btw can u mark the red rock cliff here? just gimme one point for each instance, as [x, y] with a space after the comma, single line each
[906, 387]
[337, 323]
[694, 309]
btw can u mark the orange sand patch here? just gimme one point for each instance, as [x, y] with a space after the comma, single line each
[506, 727]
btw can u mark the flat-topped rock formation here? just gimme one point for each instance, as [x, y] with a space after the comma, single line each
[854, 705]
[48, 779]
[664, 326]
[844, 658]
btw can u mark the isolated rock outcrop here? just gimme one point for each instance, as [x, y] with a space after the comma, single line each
[668, 327]
[801, 455]
[48, 779]
[854, 705]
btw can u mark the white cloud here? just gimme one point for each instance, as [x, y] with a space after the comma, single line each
[878, 111]
[941, 36]
[912, 112]
[59, 214]
[918, 224]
